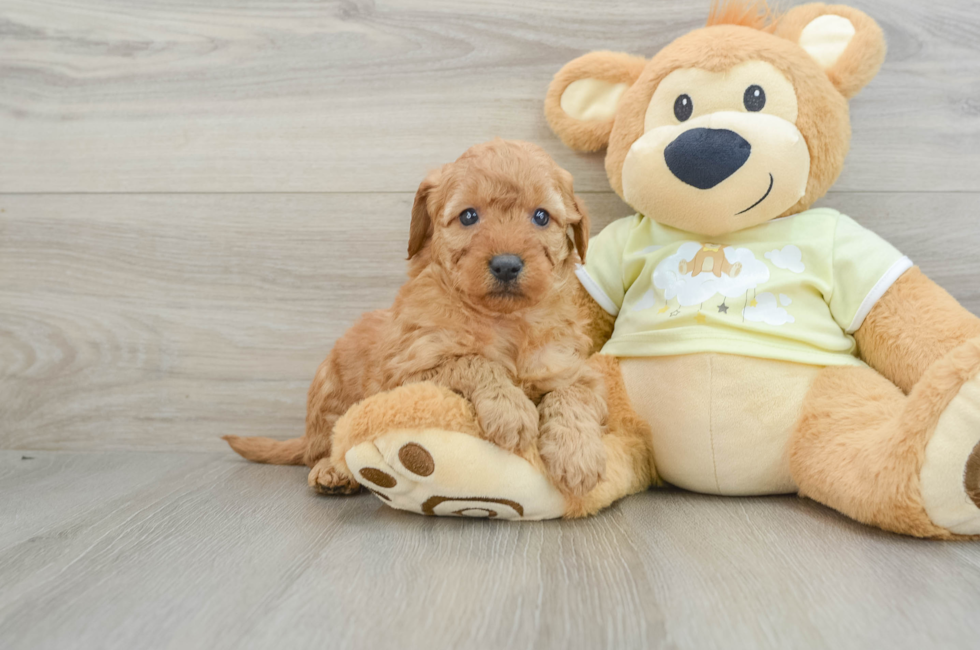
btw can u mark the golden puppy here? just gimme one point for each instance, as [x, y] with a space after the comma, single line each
[488, 311]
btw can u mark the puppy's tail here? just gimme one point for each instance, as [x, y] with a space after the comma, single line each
[267, 450]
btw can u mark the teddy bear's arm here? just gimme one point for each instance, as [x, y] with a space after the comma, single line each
[914, 324]
[599, 322]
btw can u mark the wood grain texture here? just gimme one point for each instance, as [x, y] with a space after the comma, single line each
[197, 199]
[165, 550]
[166, 321]
[356, 95]
[788, 573]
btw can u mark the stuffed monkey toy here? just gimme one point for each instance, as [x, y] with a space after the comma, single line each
[752, 344]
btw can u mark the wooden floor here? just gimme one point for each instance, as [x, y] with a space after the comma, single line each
[197, 198]
[200, 550]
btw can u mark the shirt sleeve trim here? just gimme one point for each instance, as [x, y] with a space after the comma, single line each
[595, 290]
[884, 284]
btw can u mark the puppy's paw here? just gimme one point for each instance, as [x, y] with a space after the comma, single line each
[326, 479]
[508, 418]
[573, 453]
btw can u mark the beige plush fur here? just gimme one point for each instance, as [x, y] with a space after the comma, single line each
[913, 325]
[720, 423]
[823, 114]
[823, 118]
[860, 441]
[860, 438]
[862, 59]
[413, 406]
[613, 67]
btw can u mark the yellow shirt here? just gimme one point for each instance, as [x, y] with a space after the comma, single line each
[793, 289]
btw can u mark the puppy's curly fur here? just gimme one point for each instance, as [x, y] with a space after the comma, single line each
[516, 350]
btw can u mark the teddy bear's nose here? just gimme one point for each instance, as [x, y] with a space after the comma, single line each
[703, 158]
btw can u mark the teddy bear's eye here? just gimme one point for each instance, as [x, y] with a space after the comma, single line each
[683, 107]
[754, 98]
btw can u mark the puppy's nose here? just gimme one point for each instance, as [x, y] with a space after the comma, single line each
[506, 267]
[705, 157]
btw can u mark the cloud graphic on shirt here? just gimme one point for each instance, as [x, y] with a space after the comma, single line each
[789, 258]
[692, 289]
[767, 311]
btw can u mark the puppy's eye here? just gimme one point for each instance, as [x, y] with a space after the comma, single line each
[754, 99]
[541, 217]
[468, 217]
[683, 107]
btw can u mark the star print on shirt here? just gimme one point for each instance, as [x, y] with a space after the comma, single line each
[723, 308]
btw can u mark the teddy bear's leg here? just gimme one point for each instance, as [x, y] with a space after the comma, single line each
[908, 464]
[419, 448]
[629, 460]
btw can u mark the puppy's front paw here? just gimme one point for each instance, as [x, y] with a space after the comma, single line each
[508, 418]
[573, 453]
[326, 479]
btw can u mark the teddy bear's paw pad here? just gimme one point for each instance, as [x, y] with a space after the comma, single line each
[972, 476]
[447, 473]
[950, 475]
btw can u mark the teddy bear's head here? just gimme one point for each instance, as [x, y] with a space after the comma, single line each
[731, 125]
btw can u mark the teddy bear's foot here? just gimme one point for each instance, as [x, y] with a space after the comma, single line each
[950, 474]
[441, 472]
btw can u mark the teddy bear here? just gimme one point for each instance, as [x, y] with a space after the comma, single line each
[751, 344]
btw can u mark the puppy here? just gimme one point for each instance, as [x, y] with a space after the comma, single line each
[488, 312]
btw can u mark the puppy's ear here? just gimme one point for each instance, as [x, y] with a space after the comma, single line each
[421, 228]
[578, 216]
[580, 228]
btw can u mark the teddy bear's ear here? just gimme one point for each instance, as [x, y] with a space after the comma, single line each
[583, 97]
[845, 42]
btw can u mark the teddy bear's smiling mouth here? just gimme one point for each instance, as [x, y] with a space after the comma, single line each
[760, 200]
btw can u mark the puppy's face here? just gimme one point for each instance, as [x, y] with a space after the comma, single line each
[497, 223]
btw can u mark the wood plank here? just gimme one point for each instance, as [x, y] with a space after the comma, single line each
[783, 572]
[208, 314]
[114, 330]
[74, 486]
[285, 95]
[136, 570]
[214, 552]
[464, 584]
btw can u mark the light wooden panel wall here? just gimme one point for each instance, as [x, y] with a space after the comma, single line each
[196, 199]
[359, 96]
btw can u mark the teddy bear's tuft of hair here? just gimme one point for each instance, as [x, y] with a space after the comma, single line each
[755, 14]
